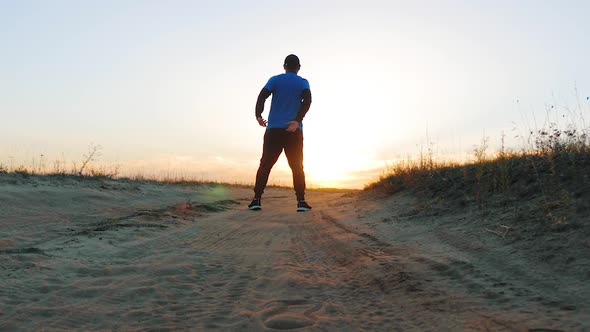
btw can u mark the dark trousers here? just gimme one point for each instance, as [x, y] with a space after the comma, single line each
[275, 141]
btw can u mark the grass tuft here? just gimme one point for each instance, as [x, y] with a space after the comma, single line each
[554, 170]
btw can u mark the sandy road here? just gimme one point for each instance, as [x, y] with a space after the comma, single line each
[330, 270]
[181, 268]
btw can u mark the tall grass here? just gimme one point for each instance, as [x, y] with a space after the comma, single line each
[89, 168]
[63, 168]
[552, 166]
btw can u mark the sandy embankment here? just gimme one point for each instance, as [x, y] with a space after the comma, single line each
[114, 255]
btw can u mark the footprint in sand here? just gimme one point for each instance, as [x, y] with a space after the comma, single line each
[289, 314]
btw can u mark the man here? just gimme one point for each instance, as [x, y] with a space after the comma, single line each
[291, 99]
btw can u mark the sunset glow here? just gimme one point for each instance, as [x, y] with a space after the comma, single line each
[170, 88]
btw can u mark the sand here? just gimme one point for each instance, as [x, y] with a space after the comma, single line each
[115, 255]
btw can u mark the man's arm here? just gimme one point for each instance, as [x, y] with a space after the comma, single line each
[264, 94]
[305, 104]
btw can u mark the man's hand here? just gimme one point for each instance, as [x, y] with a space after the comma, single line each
[261, 122]
[293, 125]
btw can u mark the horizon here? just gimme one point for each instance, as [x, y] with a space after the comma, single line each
[172, 88]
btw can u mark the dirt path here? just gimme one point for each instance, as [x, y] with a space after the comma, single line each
[331, 269]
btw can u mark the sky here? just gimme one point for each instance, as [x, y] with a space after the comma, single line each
[169, 87]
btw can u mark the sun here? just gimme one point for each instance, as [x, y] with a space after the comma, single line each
[329, 166]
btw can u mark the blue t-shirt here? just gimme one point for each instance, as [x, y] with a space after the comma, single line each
[286, 98]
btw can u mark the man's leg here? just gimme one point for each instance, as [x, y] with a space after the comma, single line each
[271, 150]
[294, 153]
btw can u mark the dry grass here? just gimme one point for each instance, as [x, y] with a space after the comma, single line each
[87, 171]
[553, 171]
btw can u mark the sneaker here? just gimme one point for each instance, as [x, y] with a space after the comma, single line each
[255, 205]
[302, 206]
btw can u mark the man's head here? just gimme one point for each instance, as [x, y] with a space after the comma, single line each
[292, 63]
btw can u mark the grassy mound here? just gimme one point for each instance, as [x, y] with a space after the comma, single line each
[550, 182]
